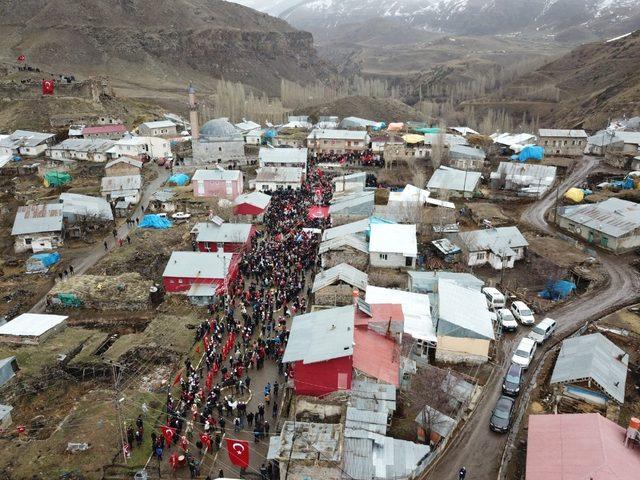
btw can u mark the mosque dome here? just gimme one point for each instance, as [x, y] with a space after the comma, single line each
[219, 128]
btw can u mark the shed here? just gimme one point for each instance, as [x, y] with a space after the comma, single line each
[343, 276]
[466, 158]
[253, 204]
[31, 328]
[460, 183]
[393, 245]
[8, 369]
[5, 416]
[351, 249]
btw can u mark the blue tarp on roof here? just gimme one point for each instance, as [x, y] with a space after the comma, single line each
[558, 290]
[180, 179]
[42, 261]
[530, 152]
[155, 221]
[626, 184]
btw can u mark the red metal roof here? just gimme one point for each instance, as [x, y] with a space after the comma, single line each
[578, 446]
[376, 356]
[97, 129]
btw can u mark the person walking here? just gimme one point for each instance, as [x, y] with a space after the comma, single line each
[105, 246]
[462, 474]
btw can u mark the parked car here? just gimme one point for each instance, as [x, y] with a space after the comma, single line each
[181, 216]
[543, 330]
[501, 416]
[524, 353]
[507, 320]
[495, 298]
[522, 313]
[513, 380]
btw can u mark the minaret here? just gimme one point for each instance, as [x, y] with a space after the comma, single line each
[193, 113]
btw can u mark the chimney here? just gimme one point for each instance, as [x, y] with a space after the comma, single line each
[193, 113]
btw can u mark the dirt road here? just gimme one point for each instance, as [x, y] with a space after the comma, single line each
[479, 449]
[98, 251]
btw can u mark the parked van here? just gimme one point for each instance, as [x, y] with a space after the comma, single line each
[543, 330]
[495, 299]
[524, 353]
[522, 313]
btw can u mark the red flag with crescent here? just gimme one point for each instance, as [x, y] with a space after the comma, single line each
[206, 440]
[238, 452]
[48, 87]
[22, 58]
[173, 461]
[167, 433]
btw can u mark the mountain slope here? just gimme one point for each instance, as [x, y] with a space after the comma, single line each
[173, 40]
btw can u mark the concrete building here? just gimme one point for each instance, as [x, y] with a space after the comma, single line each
[26, 144]
[464, 326]
[270, 179]
[337, 141]
[106, 132]
[352, 249]
[78, 208]
[524, 179]
[463, 157]
[217, 183]
[121, 188]
[613, 224]
[143, 148]
[185, 269]
[31, 328]
[283, 157]
[160, 128]
[219, 142]
[499, 247]
[563, 143]
[91, 150]
[393, 246]
[38, 228]
[228, 237]
[123, 166]
[447, 181]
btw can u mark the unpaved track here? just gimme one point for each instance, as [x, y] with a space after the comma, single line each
[479, 449]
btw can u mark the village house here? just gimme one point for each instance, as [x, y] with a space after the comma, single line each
[380, 143]
[359, 123]
[298, 121]
[186, 269]
[335, 285]
[450, 182]
[105, 132]
[251, 132]
[524, 179]
[251, 205]
[219, 142]
[38, 227]
[393, 245]
[227, 237]
[602, 142]
[160, 128]
[352, 249]
[25, 143]
[270, 179]
[337, 141]
[282, 157]
[427, 282]
[513, 143]
[613, 224]
[351, 182]
[630, 141]
[77, 208]
[353, 205]
[31, 328]
[463, 157]
[143, 148]
[123, 166]
[122, 188]
[563, 143]
[445, 140]
[290, 139]
[580, 445]
[591, 368]
[499, 247]
[92, 150]
[217, 183]
[464, 326]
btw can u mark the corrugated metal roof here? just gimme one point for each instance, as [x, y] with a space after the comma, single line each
[366, 420]
[217, 175]
[555, 132]
[206, 265]
[227, 232]
[373, 396]
[445, 178]
[322, 335]
[427, 282]
[462, 312]
[347, 229]
[85, 205]
[614, 216]
[38, 219]
[394, 238]
[462, 151]
[527, 174]
[159, 124]
[257, 199]
[337, 134]
[282, 155]
[342, 272]
[31, 324]
[124, 159]
[25, 138]
[499, 240]
[356, 203]
[444, 139]
[311, 440]
[88, 145]
[344, 241]
[279, 174]
[99, 129]
[437, 421]
[593, 357]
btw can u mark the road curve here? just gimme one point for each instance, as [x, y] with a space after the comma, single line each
[476, 447]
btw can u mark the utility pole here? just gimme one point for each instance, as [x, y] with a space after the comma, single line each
[116, 399]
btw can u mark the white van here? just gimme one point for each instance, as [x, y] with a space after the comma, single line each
[495, 299]
[522, 313]
[543, 330]
[524, 353]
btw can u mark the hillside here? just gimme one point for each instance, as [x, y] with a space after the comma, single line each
[142, 42]
[594, 82]
[378, 109]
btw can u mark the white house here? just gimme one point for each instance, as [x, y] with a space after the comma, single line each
[393, 245]
[499, 247]
[278, 178]
[77, 207]
[90, 149]
[122, 188]
[38, 227]
[283, 157]
[160, 128]
[150, 147]
[337, 141]
[457, 183]
[26, 143]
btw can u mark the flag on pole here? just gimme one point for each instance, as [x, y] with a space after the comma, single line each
[22, 58]
[238, 452]
[167, 433]
[48, 87]
[173, 461]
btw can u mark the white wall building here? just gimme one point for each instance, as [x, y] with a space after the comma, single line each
[91, 150]
[161, 128]
[26, 143]
[499, 247]
[153, 147]
[278, 178]
[393, 245]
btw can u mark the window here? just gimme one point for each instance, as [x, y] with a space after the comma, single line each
[219, 149]
[382, 256]
[408, 262]
[27, 241]
[481, 256]
[342, 381]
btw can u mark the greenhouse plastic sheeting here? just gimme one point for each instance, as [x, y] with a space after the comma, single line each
[56, 179]
[155, 221]
[180, 179]
[575, 195]
[558, 290]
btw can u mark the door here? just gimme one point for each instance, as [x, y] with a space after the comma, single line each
[229, 187]
[200, 187]
[590, 239]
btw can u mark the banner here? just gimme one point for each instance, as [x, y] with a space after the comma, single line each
[238, 452]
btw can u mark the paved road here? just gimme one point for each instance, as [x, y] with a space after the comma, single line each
[479, 449]
[97, 252]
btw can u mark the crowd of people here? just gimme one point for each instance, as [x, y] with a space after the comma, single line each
[362, 158]
[246, 327]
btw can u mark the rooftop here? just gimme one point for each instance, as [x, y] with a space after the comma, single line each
[86, 206]
[219, 129]
[376, 356]
[306, 441]
[554, 132]
[216, 175]
[121, 182]
[337, 134]
[427, 282]
[38, 219]
[207, 265]
[134, 162]
[596, 358]
[500, 241]
[340, 273]
[225, 233]
[394, 238]
[31, 324]
[104, 129]
[280, 174]
[282, 155]
[462, 312]
[24, 138]
[257, 199]
[446, 178]
[336, 243]
[361, 202]
[467, 152]
[321, 335]
[159, 124]
[347, 229]
[88, 145]
[614, 216]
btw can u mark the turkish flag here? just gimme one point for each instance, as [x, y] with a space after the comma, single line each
[238, 452]
[173, 461]
[167, 433]
[22, 58]
[48, 87]
[206, 440]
